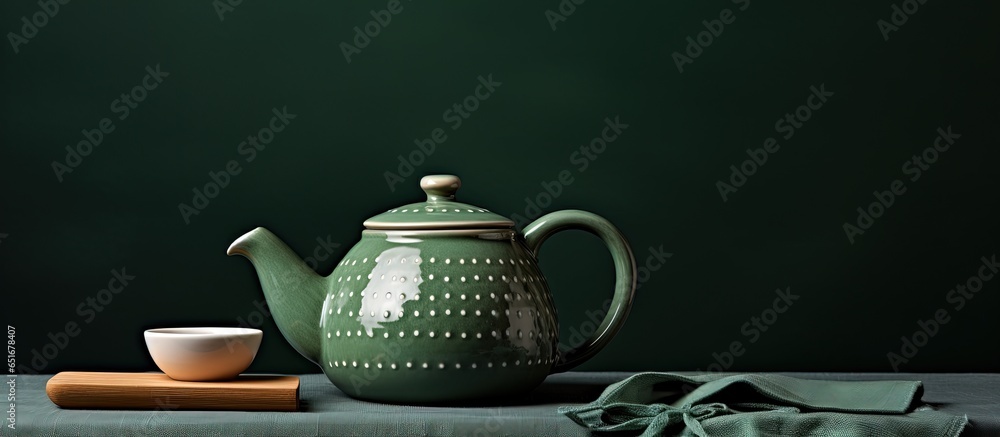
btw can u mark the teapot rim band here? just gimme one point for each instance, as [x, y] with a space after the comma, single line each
[485, 233]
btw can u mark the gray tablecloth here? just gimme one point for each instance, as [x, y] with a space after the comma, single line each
[327, 411]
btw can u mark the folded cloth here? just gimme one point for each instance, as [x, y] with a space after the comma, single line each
[762, 405]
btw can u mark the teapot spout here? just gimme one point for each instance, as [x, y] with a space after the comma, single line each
[294, 292]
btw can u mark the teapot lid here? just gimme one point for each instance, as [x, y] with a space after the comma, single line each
[440, 211]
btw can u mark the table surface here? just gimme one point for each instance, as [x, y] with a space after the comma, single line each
[326, 410]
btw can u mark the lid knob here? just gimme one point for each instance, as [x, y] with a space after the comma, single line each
[440, 186]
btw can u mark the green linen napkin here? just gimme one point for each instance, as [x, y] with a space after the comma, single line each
[762, 405]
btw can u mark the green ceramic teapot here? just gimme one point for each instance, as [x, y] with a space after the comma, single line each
[440, 301]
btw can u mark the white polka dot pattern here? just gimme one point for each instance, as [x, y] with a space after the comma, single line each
[496, 303]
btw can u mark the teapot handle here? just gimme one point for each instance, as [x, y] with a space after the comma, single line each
[539, 230]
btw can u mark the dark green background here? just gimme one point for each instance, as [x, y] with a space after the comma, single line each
[324, 174]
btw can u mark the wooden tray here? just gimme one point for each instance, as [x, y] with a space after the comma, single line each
[156, 391]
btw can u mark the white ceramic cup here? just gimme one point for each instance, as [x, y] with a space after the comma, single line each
[203, 354]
